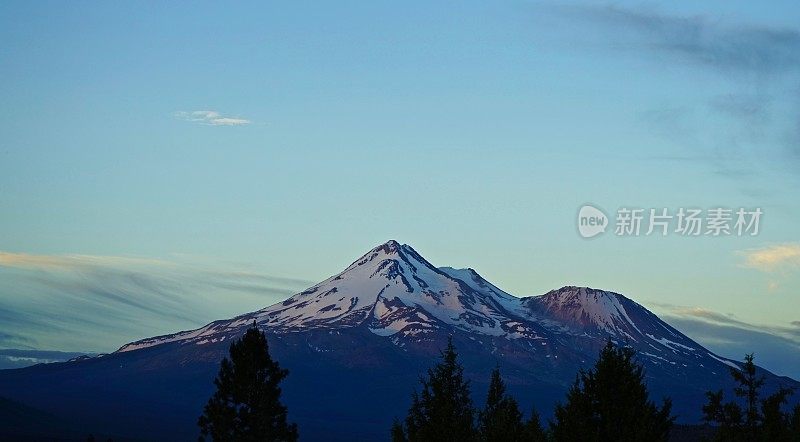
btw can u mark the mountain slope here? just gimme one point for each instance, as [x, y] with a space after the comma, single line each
[394, 292]
[392, 289]
[356, 343]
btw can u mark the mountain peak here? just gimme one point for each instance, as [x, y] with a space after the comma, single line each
[588, 309]
[394, 293]
[390, 246]
[585, 296]
[573, 288]
[393, 289]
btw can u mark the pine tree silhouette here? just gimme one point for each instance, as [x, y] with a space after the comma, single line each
[398, 433]
[500, 420]
[246, 405]
[749, 385]
[611, 402]
[751, 423]
[533, 431]
[794, 422]
[443, 410]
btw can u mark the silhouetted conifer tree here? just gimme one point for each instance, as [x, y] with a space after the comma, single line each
[749, 385]
[610, 402]
[533, 431]
[751, 423]
[246, 405]
[794, 422]
[443, 410]
[500, 420]
[398, 433]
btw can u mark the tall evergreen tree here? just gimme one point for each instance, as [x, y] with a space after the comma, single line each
[398, 433]
[246, 406]
[776, 425]
[443, 410]
[611, 402]
[794, 422]
[758, 419]
[533, 431]
[749, 385]
[500, 420]
[727, 416]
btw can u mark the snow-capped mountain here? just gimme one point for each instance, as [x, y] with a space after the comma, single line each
[356, 343]
[392, 291]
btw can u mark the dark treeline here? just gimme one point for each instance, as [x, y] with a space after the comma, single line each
[444, 410]
[608, 402]
[758, 419]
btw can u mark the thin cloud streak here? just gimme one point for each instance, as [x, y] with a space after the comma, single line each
[211, 118]
[24, 260]
[773, 258]
[790, 331]
[97, 303]
[696, 39]
[754, 127]
[776, 347]
[775, 353]
[18, 358]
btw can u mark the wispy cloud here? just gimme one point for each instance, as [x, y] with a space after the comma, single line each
[776, 347]
[82, 302]
[753, 127]
[698, 39]
[24, 260]
[789, 331]
[211, 118]
[773, 258]
[774, 352]
[702, 313]
[17, 358]
[747, 106]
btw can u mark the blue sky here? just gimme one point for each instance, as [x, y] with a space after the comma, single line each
[152, 154]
